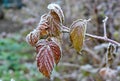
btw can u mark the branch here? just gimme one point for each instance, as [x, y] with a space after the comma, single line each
[67, 30]
[95, 36]
[105, 34]
[104, 25]
[103, 38]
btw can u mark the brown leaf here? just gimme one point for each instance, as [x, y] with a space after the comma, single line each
[57, 41]
[33, 37]
[48, 26]
[57, 18]
[56, 12]
[43, 25]
[77, 34]
[48, 55]
[55, 29]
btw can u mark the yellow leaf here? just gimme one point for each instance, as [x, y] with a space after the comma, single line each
[77, 34]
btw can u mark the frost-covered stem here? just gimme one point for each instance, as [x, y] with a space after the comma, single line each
[104, 25]
[103, 38]
[67, 30]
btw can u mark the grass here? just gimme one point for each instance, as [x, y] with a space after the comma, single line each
[17, 60]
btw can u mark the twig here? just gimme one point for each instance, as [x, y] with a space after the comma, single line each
[105, 34]
[103, 38]
[104, 25]
[95, 36]
[67, 30]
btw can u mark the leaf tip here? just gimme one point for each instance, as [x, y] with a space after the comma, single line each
[57, 9]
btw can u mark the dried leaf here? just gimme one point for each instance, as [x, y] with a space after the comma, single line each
[56, 40]
[77, 34]
[48, 26]
[33, 37]
[55, 29]
[56, 12]
[43, 25]
[57, 18]
[48, 55]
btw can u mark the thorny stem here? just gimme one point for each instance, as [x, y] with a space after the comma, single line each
[104, 25]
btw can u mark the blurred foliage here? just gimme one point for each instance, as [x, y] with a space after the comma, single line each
[17, 60]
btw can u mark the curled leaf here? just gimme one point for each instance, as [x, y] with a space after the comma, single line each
[33, 37]
[48, 55]
[43, 25]
[51, 24]
[56, 12]
[77, 34]
[56, 20]
[48, 26]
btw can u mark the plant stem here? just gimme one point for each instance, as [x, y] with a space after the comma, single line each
[104, 25]
[103, 38]
[67, 30]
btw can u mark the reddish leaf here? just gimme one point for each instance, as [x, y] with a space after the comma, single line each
[49, 26]
[55, 29]
[77, 34]
[43, 26]
[57, 18]
[48, 55]
[33, 37]
[55, 25]
[57, 41]
[51, 23]
[54, 46]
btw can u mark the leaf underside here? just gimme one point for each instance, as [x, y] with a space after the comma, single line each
[48, 55]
